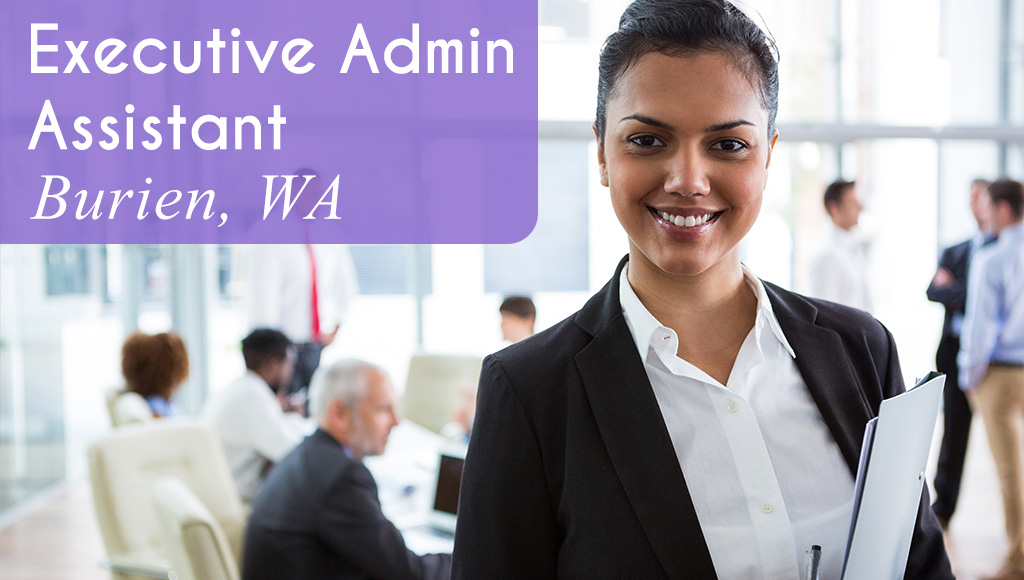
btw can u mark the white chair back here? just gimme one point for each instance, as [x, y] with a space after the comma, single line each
[433, 384]
[123, 468]
[127, 408]
[196, 545]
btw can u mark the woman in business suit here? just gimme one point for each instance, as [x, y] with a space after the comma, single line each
[691, 421]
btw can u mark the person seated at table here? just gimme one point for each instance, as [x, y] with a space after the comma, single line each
[255, 430]
[154, 367]
[318, 514]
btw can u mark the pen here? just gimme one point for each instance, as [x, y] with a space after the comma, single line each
[814, 563]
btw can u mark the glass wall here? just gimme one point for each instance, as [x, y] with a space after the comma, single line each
[912, 99]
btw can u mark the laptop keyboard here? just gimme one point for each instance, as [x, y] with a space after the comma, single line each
[436, 531]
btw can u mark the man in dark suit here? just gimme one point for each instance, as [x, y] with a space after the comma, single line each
[318, 514]
[571, 471]
[949, 288]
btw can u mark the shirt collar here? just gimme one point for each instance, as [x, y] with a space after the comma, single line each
[1010, 233]
[643, 325]
[978, 240]
[323, 434]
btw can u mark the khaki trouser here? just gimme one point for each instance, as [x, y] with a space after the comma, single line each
[1000, 398]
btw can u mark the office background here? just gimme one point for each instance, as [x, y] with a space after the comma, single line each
[912, 98]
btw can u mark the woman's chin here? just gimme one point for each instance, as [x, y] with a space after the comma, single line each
[681, 266]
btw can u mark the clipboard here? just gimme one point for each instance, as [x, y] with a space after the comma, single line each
[890, 476]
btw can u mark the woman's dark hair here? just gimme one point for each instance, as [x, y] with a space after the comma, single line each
[678, 27]
[154, 364]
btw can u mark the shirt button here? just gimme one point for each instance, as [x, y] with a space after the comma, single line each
[733, 406]
[767, 507]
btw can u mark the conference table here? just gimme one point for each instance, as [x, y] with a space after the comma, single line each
[406, 476]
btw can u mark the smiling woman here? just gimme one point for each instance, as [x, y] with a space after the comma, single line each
[690, 421]
[686, 183]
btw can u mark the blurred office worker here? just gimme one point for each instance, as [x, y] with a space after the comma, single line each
[518, 315]
[992, 356]
[303, 290]
[154, 367]
[255, 431]
[839, 268]
[949, 288]
[318, 514]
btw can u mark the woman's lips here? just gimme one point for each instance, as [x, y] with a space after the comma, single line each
[690, 220]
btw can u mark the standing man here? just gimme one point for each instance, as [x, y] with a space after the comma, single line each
[518, 315]
[318, 515]
[303, 289]
[949, 288]
[255, 431]
[992, 356]
[839, 270]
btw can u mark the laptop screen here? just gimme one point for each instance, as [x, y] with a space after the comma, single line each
[449, 476]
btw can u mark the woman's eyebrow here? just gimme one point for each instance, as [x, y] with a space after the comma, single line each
[663, 125]
[727, 126]
[648, 121]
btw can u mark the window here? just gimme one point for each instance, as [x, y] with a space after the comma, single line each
[554, 258]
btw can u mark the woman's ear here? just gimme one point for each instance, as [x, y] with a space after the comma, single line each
[600, 157]
[771, 148]
[768, 162]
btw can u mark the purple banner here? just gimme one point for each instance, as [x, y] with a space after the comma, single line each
[395, 121]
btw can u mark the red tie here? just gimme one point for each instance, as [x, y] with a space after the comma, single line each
[314, 306]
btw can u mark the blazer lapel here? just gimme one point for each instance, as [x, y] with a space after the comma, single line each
[634, 433]
[826, 368]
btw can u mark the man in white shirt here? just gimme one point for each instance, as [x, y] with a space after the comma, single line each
[992, 356]
[302, 289]
[255, 430]
[839, 269]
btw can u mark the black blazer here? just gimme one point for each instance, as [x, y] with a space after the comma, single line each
[318, 516]
[571, 472]
[956, 259]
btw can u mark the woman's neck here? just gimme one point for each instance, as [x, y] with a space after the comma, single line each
[711, 312]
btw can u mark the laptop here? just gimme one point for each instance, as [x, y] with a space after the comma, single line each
[441, 519]
[435, 533]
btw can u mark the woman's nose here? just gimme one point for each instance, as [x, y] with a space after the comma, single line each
[687, 173]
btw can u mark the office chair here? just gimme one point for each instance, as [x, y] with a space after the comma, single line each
[122, 470]
[127, 408]
[432, 387]
[195, 542]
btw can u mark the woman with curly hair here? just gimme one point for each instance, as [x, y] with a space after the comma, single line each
[154, 367]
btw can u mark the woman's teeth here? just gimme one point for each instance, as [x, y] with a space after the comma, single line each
[688, 221]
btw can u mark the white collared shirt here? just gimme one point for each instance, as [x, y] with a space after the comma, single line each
[839, 270]
[280, 290]
[766, 477]
[253, 428]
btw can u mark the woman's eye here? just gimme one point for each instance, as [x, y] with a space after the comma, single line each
[729, 145]
[646, 141]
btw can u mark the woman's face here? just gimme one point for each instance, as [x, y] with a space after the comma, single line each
[685, 155]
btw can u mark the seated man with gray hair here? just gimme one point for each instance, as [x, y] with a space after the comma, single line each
[318, 514]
